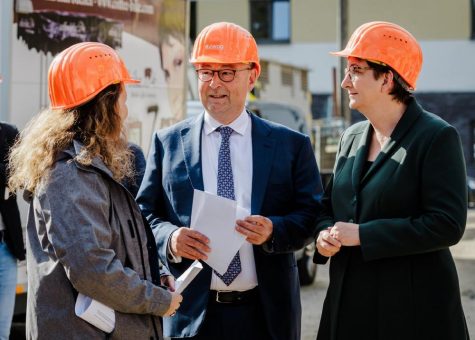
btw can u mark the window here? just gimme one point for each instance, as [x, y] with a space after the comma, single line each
[193, 20]
[264, 77]
[270, 20]
[304, 80]
[287, 76]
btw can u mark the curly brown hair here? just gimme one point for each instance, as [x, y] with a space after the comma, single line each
[96, 124]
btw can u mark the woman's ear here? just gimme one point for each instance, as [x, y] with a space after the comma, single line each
[388, 79]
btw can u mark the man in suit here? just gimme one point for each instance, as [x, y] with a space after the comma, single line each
[11, 239]
[267, 168]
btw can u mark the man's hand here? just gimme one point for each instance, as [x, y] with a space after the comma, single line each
[257, 229]
[190, 244]
[168, 281]
[174, 304]
[326, 244]
[347, 233]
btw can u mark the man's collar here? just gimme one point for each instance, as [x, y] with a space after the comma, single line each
[239, 125]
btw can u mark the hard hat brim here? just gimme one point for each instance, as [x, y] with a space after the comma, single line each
[342, 53]
[131, 81]
[210, 60]
[92, 95]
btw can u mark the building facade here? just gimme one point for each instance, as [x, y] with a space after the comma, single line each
[302, 32]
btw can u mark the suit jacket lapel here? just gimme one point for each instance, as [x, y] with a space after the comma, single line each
[262, 154]
[191, 139]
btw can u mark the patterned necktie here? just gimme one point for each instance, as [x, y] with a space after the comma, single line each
[226, 189]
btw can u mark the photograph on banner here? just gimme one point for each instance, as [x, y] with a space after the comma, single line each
[148, 34]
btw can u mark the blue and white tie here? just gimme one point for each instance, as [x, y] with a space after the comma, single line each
[226, 189]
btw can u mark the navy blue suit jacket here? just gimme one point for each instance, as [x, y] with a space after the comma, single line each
[286, 188]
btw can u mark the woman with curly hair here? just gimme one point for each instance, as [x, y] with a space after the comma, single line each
[85, 234]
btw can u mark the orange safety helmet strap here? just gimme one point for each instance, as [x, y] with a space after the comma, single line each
[81, 71]
[387, 43]
[225, 43]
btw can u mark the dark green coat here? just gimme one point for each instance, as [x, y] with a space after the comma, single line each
[401, 283]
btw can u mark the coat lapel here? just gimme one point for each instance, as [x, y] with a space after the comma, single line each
[191, 140]
[360, 157]
[262, 154]
[406, 122]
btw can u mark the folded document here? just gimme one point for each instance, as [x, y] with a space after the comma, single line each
[96, 313]
[184, 280]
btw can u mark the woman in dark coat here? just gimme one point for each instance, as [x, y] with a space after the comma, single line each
[395, 204]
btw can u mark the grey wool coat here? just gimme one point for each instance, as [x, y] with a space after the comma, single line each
[86, 234]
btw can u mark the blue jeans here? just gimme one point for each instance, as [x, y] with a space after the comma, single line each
[8, 277]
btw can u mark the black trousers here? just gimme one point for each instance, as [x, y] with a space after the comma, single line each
[225, 321]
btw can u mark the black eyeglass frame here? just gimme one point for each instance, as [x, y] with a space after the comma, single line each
[221, 74]
[354, 70]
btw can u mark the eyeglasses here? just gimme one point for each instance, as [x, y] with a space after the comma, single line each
[225, 75]
[355, 70]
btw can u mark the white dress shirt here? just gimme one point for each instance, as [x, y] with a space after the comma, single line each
[240, 144]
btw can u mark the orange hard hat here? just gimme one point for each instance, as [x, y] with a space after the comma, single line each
[83, 70]
[387, 43]
[225, 43]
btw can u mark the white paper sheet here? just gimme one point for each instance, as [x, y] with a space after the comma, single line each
[184, 280]
[215, 217]
[94, 312]
[7, 193]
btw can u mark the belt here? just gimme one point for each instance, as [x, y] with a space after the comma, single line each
[234, 297]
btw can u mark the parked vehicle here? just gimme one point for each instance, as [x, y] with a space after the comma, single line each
[294, 119]
[284, 114]
[471, 192]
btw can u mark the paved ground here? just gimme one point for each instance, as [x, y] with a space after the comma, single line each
[464, 255]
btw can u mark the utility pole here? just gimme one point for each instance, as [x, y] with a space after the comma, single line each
[342, 38]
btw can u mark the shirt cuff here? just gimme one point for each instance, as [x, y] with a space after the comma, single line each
[172, 257]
